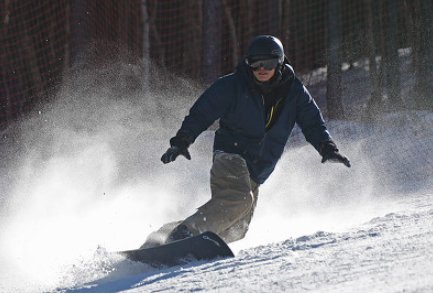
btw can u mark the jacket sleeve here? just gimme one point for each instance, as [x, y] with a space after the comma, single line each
[209, 107]
[310, 119]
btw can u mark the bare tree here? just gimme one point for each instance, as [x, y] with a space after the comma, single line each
[285, 23]
[375, 101]
[391, 60]
[334, 56]
[275, 17]
[29, 54]
[192, 33]
[212, 31]
[157, 41]
[423, 55]
[270, 13]
[233, 34]
[80, 34]
[146, 43]
[5, 98]
[246, 23]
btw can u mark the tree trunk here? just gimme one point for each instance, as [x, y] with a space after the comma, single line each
[233, 34]
[375, 101]
[334, 56]
[67, 55]
[80, 34]
[246, 27]
[274, 12]
[29, 54]
[146, 44]
[212, 31]
[390, 56]
[192, 33]
[5, 98]
[285, 23]
[423, 52]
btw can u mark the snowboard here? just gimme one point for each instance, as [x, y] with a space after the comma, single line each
[206, 246]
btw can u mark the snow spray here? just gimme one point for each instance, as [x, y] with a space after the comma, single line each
[88, 178]
[89, 175]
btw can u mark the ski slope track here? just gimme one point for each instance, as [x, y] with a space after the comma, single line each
[391, 253]
[359, 238]
[83, 177]
[318, 227]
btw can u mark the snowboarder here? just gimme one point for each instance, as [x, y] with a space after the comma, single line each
[258, 106]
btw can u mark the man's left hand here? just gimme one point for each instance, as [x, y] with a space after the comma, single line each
[330, 153]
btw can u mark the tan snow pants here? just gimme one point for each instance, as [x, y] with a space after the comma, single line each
[233, 199]
[229, 211]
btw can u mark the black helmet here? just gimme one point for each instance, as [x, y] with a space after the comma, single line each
[265, 47]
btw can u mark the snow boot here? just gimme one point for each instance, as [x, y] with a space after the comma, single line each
[179, 233]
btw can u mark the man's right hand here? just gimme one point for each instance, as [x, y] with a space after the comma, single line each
[173, 152]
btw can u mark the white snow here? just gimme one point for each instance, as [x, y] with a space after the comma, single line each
[88, 181]
[390, 253]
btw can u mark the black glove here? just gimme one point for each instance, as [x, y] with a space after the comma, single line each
[179, 146]
[329, 151]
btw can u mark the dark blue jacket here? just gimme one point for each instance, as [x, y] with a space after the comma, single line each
[238, 103]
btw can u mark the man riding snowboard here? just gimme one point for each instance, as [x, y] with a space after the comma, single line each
[257, 107]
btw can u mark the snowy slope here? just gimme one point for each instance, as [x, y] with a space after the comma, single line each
[87, 179]
[356, 238]
[318, 227]
[391, 253]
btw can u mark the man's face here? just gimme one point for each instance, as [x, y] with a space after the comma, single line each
[263, 75]
[264, 70]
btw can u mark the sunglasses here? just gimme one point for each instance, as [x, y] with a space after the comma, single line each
[267, 64]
